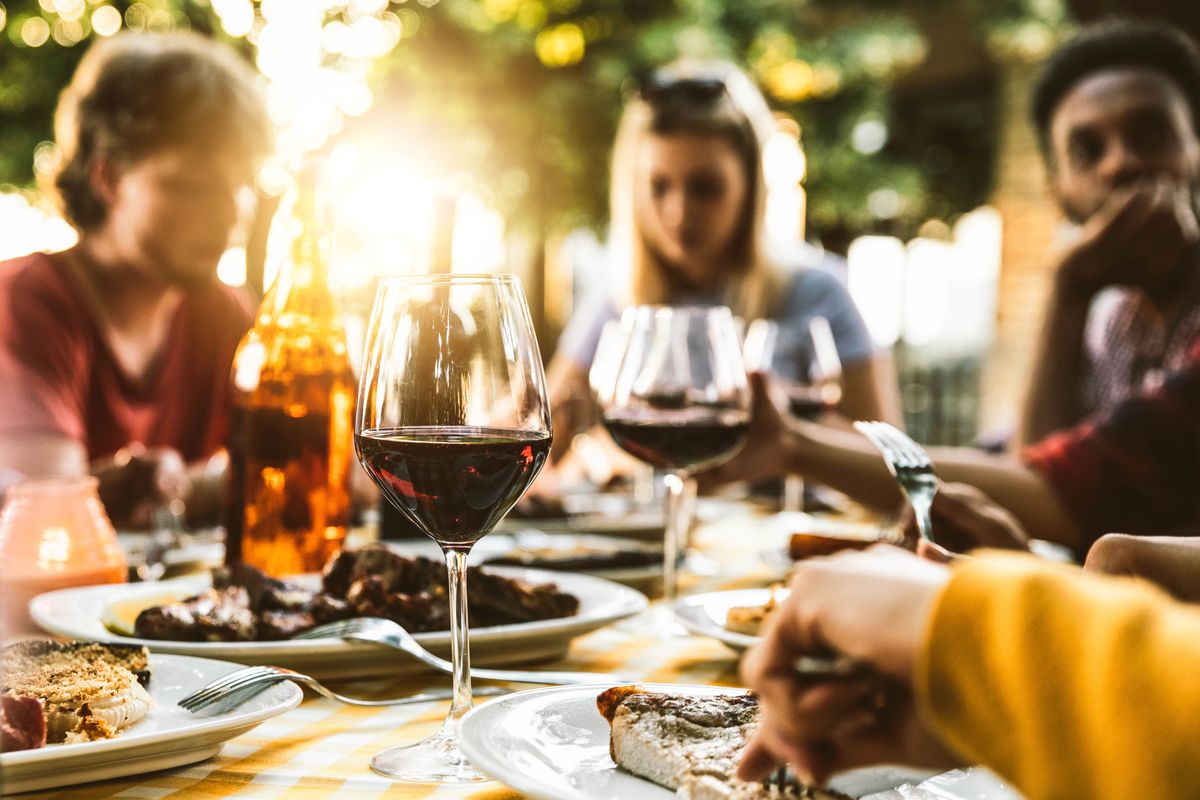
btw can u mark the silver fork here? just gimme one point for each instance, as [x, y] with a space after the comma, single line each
[910, 465]
[238, 685]
[782, 778]
[378, 630]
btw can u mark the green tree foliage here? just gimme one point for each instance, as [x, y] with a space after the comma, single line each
[524, 95]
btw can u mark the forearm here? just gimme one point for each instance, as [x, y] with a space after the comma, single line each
[869, 391]
[570, 402]
[848, 463]
[1090, 672]
[1052, 398]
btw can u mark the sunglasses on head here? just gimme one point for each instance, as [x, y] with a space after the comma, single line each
[659, 88]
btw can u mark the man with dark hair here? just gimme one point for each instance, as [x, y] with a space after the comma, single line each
[115, 354]
[1117, 110]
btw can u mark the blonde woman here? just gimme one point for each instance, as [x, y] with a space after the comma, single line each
[687, 226]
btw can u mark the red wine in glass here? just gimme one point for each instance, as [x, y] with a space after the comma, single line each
[678, 401]
[454, 483]
[682, 440]
[811, 402]
[452, 424]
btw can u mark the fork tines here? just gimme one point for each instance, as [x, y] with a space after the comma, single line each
[782, 778]
[228, 685]
[898, 448]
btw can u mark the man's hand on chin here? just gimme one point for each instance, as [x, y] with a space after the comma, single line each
[1138, 237]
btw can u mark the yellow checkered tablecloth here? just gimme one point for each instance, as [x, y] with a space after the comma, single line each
[322, 749]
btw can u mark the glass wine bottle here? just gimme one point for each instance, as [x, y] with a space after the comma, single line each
[292, 442]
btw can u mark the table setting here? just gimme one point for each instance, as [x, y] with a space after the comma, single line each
[231, 647]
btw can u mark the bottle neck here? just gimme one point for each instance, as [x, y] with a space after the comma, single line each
[309, 257]
[302, 285]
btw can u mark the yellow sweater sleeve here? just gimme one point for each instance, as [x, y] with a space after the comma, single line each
[1069, 686]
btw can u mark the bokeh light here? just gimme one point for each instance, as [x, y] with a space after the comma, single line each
[106, 21]
[561, 45]
[70, 9]
[35, 32]
[68, 32]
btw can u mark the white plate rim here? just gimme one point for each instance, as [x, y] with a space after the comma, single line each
[692, 613]
[619, 603]
[234, 721]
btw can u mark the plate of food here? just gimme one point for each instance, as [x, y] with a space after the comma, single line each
[519, 615]
[794, 536]
[734, 617]
[86, 711]
[649, 742]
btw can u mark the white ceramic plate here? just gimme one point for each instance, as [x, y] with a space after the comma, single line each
[77, 614]
[553, 744]
[167, 737]
[704, 614]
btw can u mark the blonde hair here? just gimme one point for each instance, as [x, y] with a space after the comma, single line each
[739, 115]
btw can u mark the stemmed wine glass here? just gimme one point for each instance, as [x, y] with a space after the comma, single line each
[453, 424]
[806, 362]
[679, 402]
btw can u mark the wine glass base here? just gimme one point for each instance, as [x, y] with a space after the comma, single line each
[435, 759]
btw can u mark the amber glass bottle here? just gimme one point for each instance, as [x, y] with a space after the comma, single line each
[292, 443]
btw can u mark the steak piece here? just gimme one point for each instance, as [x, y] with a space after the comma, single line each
[689, 743]
[215, 615]
[412, 591]
[263, 592]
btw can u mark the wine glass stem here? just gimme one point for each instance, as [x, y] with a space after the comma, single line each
[460, 653]
[676, 529]
[793, 492]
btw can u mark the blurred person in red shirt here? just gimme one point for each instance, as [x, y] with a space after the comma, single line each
[115, 354]
[1117, 110]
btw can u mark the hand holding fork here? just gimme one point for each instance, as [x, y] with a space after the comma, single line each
[910, 465]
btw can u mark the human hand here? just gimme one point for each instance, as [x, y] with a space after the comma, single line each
[870, 606]
[964, 518]
[136, 480]
[1136, 238]
[767, 443]
[1172, 562]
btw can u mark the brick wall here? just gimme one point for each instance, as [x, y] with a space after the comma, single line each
[1030, 217]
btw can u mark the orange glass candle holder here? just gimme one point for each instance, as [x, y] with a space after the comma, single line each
[54, 534]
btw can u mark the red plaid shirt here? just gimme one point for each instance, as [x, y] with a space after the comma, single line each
[1136, 468]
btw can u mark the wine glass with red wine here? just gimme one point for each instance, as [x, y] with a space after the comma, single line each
[805, 361]
[453, 424]
[679, 402]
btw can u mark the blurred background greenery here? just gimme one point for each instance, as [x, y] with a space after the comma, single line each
[523, 94]
[910, 115]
